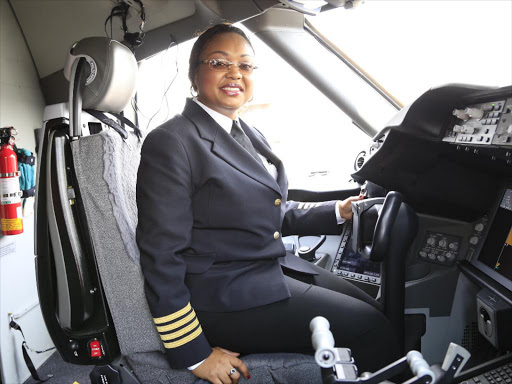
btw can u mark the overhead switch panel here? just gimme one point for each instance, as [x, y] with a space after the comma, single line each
[483, 124]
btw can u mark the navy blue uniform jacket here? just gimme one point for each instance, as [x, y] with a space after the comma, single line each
[210, 225]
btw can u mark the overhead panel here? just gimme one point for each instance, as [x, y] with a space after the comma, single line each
[52, 26]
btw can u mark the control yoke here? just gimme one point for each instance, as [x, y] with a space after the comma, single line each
[378, 213]
[383, 231]
[365, 216]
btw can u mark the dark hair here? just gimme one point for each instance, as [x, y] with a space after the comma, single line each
[205, 38]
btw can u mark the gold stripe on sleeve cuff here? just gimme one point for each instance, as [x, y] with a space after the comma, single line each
[172, 316]
[177, 324]
[181, 332]
[185, 340]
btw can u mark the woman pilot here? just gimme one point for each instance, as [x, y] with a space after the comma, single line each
[212, 206]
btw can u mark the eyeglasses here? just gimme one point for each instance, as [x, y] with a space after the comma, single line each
[220, 65]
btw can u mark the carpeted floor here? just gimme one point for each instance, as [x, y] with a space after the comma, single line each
[63, 373]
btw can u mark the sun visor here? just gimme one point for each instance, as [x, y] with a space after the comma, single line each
[113, 73]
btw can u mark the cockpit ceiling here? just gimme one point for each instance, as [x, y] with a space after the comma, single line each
[50, 27]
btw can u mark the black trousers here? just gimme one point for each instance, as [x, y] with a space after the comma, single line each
[355, 320]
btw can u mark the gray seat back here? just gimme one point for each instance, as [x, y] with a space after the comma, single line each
[106, 170]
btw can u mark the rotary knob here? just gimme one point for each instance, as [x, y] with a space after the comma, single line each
[460, 114]
[431, 241]
[475, 113]
[479, 227]
[442, 243]
[473, 240]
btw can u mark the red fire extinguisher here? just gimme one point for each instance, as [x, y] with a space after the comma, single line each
[10, 194]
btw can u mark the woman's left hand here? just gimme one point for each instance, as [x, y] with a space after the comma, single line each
[345, 206]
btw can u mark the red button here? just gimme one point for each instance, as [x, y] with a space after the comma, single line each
[95, 348]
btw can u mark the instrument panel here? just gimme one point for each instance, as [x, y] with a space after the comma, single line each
[485, 242]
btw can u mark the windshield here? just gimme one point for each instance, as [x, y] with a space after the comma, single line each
[411, 46]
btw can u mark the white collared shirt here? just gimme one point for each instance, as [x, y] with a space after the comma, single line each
[226, 123]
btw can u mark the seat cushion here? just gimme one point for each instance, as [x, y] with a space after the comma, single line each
[279, 368]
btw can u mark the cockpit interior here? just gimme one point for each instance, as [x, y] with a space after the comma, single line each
[431, 241]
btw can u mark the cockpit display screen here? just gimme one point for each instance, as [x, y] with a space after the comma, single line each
[354, 262]
[497, 250]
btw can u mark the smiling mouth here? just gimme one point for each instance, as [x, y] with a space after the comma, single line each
[232, 89]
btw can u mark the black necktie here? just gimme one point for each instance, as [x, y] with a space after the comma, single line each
[239, 135]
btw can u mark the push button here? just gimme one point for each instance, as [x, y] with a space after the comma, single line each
[277, 203]
[95, 348]
[73, 345]
[277, 235]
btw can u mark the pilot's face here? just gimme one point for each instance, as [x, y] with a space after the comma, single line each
[225, 91]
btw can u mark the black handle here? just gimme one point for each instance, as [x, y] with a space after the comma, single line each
[308, 253]
[79, 75]
[384, 227]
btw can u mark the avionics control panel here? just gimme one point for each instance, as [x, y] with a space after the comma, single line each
[487, 123]
[440, 248]
[446, 246]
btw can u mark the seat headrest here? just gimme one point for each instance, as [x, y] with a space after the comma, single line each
[113, 73]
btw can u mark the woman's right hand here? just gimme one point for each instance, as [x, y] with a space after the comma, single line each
[217, 366]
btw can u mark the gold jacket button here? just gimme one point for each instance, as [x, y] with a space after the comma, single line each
[277, 203]
[277, 235]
